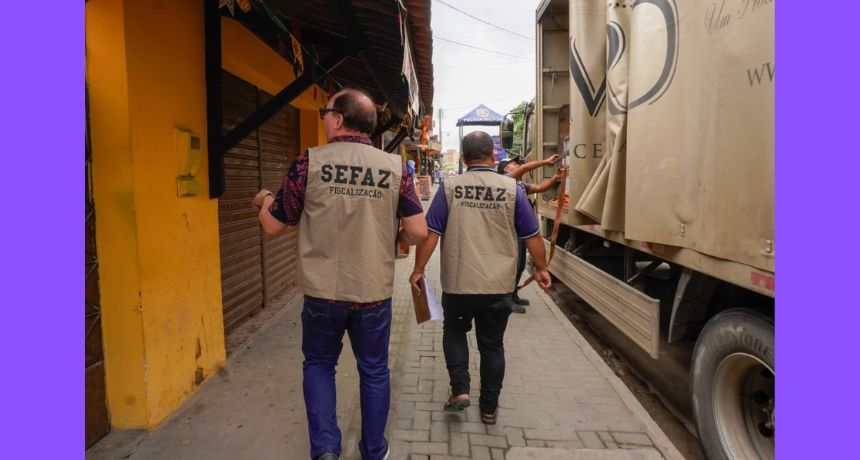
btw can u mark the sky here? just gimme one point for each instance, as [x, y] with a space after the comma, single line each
[463, 78]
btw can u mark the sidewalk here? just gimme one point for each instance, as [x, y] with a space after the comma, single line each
[559, 401]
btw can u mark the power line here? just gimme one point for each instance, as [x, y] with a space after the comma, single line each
[485, 22]
[436, 37]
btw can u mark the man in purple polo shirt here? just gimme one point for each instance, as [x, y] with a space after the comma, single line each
[347, 197]
[479, 216]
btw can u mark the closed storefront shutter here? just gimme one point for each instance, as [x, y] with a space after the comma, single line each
[255, 268]
[240, 232]
[279, 146]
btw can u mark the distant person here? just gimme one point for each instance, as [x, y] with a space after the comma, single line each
[346, 197]
[410, 165]
[512, 167]
[479, 216]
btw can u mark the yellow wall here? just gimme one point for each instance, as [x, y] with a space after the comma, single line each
[245, 56]
[159, 254]
[116, 219]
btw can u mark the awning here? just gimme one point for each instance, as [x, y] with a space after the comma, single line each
[378, 28]
[480, 116]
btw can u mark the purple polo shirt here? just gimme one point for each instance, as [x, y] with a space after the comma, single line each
[525, 221]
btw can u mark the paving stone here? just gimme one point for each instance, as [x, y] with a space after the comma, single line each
[632, 438]
[421, 421]
[497, 454]
[399, 449]
[429, 447]
[488, 440]
[406, 409]
[481, 453]
[403, 424]
[515, 436]
[459, 444]
[591, 439]
[439, 431]
[468, 427]
[569, 445]
[410, 435]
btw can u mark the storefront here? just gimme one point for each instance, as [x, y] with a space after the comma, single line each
[192, 109]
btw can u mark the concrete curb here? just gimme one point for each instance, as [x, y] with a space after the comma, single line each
[661, 441]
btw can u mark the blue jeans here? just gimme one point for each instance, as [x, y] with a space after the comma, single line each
[323, 325]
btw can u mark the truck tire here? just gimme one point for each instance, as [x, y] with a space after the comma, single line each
[733, 386]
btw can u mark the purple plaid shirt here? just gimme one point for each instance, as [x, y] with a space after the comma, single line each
[290, 200]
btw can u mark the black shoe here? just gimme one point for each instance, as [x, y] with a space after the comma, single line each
[518, 309]
[327, 456]
[521, 301]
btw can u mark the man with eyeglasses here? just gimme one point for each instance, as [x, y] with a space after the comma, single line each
[347, 197]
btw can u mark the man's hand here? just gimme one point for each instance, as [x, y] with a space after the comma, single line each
[414, 278]
[261, 195]
[542, 278]
[551, 160]
[559, 174]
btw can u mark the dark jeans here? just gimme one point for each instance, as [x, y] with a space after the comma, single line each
[323, 326]
[490, 313]
[521, 263]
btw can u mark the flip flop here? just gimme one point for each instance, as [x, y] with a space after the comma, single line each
[457, 403]
[490, 419]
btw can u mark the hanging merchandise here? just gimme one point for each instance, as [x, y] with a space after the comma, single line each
[298, 63]
[244, 5]
[229, 4]
[411, 77]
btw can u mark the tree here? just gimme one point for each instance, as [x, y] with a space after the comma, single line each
[518, 115]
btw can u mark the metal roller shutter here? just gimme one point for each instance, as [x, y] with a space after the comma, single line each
[240, 232]
[279, 146]
[255, 269]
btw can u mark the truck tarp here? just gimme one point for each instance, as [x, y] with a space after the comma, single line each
[672, 123]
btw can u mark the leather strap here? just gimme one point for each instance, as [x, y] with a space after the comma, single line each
[555, 225]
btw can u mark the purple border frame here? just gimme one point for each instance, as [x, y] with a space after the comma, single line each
[43, 123]
[816, 165]
[816, 176]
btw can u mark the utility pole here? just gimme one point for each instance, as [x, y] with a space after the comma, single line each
[441, 115]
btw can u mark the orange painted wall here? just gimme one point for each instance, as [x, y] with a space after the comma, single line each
[159, 253]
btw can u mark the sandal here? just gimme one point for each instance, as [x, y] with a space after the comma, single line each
[457, 403]
[490, 419]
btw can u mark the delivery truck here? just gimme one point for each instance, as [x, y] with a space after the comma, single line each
[663, 111]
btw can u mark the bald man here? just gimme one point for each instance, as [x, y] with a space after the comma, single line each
[347, 198]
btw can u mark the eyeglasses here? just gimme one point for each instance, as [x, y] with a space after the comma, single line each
[325, 110]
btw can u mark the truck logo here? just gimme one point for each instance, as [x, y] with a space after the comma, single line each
[616, 47]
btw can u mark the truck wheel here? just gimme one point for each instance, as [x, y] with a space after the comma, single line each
[733, 386]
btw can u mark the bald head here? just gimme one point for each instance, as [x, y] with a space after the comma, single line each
[477, 147]
[358, 110]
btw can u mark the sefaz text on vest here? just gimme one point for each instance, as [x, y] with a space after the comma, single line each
[477, 196]
[355, 175]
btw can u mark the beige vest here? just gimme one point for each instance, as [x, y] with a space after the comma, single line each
[479, 246]
[348, 229]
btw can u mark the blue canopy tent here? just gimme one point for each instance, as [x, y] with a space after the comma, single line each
[480, 116]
